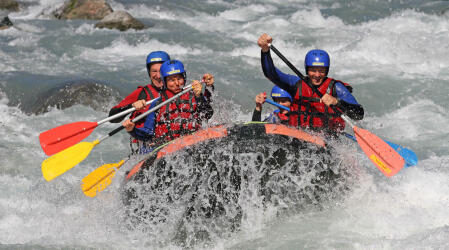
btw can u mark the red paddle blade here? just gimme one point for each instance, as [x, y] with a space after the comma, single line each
[59, 138]
[386, 159]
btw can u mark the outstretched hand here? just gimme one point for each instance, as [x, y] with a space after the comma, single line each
[260, 99]
[263, 42]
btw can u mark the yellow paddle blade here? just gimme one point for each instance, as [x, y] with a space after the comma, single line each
[61, 162]
[100, 178]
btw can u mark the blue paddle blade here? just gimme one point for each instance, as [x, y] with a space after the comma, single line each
[409, 156]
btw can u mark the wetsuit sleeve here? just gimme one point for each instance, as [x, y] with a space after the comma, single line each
[284, 81]
[126, 104]
[347, 102]
[204, 107]
[257, 116]
[146, 132]
[116, 110]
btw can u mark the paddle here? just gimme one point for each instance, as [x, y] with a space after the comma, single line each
[386, 159]
[61, 162]
[101, 177]
[277, 104]
[409, 156]
[64, 136]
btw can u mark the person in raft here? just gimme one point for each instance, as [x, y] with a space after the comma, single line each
[142, 94]
[279, 116]
[307, 109]
[183, 115]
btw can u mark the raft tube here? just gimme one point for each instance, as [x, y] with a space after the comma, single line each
[203, 185]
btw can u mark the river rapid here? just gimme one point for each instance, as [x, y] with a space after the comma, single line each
[394, 53]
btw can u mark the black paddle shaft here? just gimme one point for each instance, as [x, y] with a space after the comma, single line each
[313, 87]
[115, 131]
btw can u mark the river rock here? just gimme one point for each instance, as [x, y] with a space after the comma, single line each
[5, 23]
[88, 93]
[10, 5]
[120, 20]
[84, 9]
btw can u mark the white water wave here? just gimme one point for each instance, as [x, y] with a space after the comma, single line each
[314, 19]
[31, 9]
[412, 121]
[120, 49]
[247, 13]
[407, 42]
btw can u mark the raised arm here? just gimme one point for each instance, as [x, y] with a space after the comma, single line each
[284, 81]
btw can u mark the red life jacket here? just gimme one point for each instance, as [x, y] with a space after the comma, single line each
[151, 93]
[177, 118]
[308, 112]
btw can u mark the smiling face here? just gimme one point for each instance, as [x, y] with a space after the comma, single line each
[175, 83]
[316, 74]
[155, 74]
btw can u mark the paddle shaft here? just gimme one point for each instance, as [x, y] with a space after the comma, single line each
[313, 87]
[125, 112]
[113, 132]
[87, 129]
[409, 156]
[386, 159]
[276, 51]
[277, 104]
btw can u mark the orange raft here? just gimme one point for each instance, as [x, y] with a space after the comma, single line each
[222, 131]
[216, 174]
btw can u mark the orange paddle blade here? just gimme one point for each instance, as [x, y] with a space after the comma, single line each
[386, 159]
[100, 178]
[59, 138]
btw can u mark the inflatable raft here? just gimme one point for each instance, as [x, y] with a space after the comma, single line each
[203, 185]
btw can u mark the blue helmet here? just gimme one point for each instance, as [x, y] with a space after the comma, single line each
[277, 92]
[172, 67]
[317, 58]
[156, 57]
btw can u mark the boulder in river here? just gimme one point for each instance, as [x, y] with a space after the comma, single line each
[89, 93]
[84, 9]
[120, 20]
[10, 5]
[5, 23]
